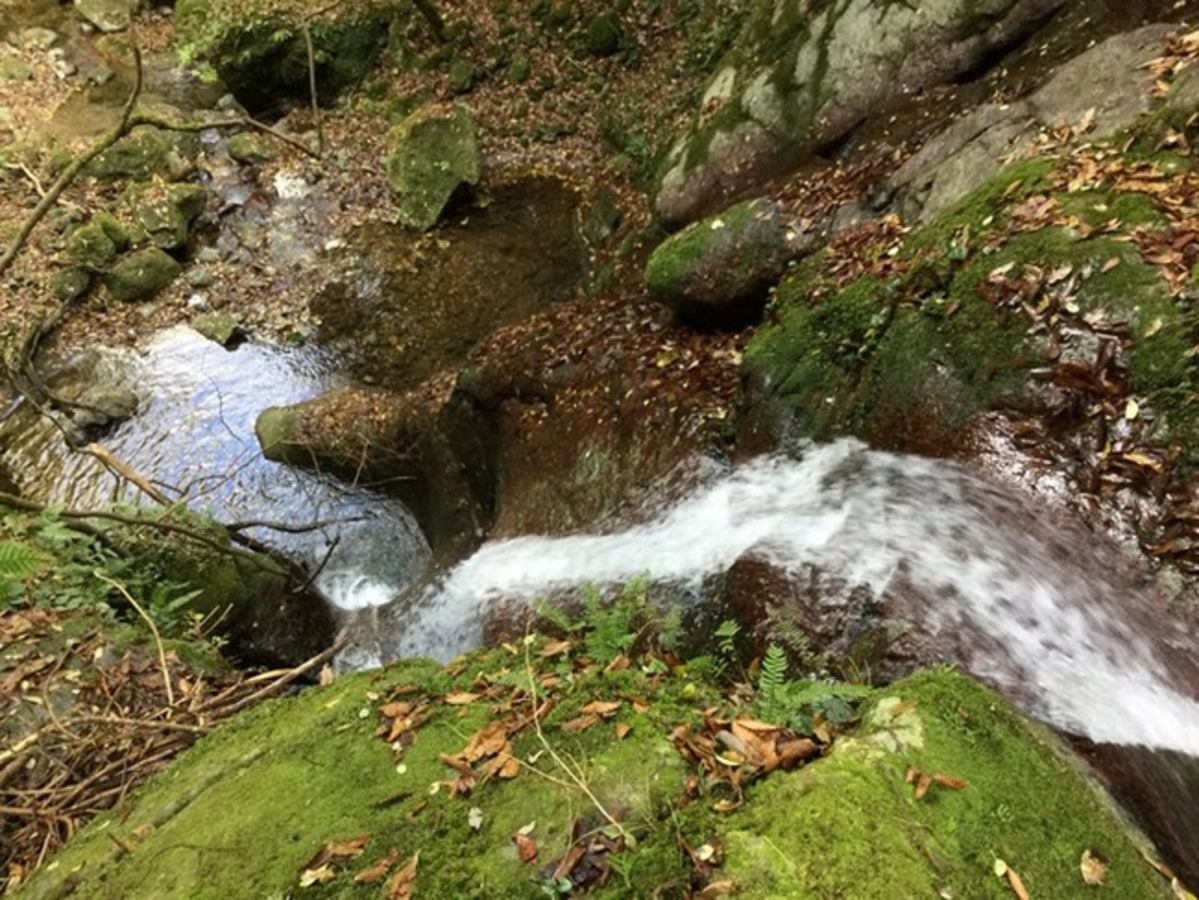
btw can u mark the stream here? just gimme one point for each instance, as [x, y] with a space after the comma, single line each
[1039, 608]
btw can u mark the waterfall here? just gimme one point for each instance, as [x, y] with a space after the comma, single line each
[1046, 608]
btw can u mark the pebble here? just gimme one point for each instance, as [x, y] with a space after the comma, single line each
[197, 301]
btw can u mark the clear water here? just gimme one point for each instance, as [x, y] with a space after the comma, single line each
[1043, 609]
[193, 436]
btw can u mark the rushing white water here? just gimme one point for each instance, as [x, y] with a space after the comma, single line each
[1038, 605]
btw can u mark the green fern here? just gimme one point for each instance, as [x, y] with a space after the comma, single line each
[18, 561]
[773, 674]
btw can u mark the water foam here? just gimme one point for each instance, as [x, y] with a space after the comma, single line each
[1054, 623]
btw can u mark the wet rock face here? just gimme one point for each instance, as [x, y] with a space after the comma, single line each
[408, 305]
[799, 82]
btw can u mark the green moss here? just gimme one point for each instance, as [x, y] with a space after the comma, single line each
[430, 155]
[89, 246]
[245, 810]
[946, 843]
[813, 356]
[140, 275]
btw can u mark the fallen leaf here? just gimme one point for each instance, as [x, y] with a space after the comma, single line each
[399, 887]
[602, 708]
[475, 818]
[949, 781]
[1093, 868]
[379, 870]
[581, 723]
[622, 730]
[1016, 884]
[555, 648]
[526, 847]
[461, 699]
[718, 889]
[320, 875]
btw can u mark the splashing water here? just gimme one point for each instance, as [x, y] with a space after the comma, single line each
[1050, 618]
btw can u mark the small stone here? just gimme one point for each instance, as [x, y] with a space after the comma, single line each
[70, 284]
[603, 34]
[462, 76]
[208, 255]
[220, 327]
[198, 276]
[90, 247]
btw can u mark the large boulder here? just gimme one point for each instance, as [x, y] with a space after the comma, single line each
[430, 446]
[430, 155]
[1097, 94]
[938, 787]
[803, 75]
[717, 271]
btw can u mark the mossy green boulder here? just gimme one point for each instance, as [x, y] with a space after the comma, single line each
[138, 156]
[718, 270]
[390, 762]
[141, 274]
[430, 155]
[906, 359]
[165, 214]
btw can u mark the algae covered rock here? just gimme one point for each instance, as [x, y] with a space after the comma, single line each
[139, 155]
[141, 274]
[939, 779]
[430, 155]
[717, 271]
[166, 214]
[249, 148]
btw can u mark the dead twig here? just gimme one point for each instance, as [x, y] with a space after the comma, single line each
[152, 625]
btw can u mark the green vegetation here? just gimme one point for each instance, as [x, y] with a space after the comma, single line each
[127, 562]
[598, 746]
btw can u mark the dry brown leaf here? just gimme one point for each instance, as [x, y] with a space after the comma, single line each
[1016, 884]
[379, 870]
[399, 886]
[622, 730]
[461, 699]
[718, 889]
[526, 847]
[581, 723]
[1093, 868]
[320, 875]
[555, 648]
[950, 781]
[602, 708]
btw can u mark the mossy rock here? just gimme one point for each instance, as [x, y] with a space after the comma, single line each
[90, 246]
[281, 781]
[259, 51]
[220, 327]
[906, 362]
[604, 34]
[141, 274]
[143, 153]
[165, 215]
[275, 429]
[431, 154]
[855, 827]
[717, 271]
[250, 149]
